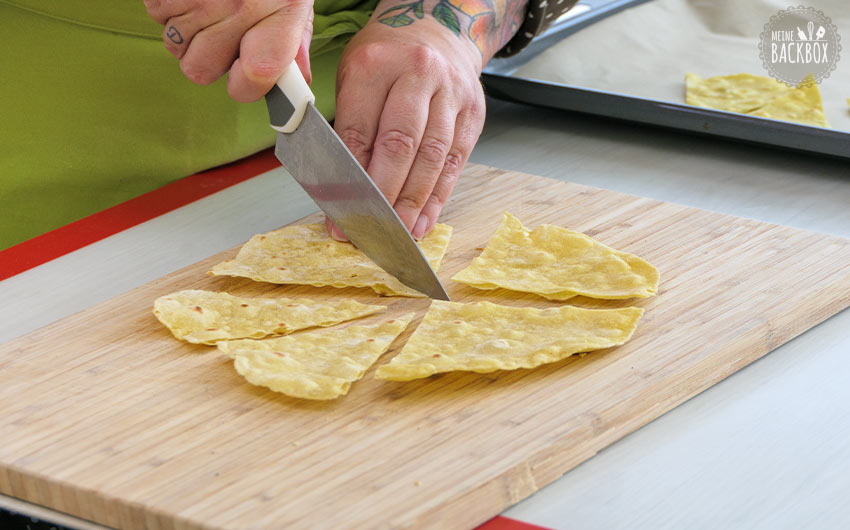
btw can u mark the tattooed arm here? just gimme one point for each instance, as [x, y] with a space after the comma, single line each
[409, 103]
[489, 24]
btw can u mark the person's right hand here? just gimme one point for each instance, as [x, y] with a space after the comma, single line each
[253, 39]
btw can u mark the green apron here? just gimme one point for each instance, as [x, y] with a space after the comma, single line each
[94, 110]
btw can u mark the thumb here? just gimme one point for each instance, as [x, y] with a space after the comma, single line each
[266, 51]
[302, 58]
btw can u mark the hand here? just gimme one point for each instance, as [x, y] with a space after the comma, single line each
[410, 108]
[254, 39]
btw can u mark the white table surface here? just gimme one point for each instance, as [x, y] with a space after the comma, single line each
[766, 448]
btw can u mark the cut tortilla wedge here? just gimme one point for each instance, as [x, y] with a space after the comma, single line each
[484, 337]
[557, 264]
[306, 255]
[206, 317]
[318, 364]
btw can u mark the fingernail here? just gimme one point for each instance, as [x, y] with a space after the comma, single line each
[420, 226]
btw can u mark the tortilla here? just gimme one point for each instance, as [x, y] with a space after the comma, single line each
[484, 337]
[206, 317]
[741, 93]
[758, 96]
[306, 255]
[318, 364]
[558, 264]
[800, 105]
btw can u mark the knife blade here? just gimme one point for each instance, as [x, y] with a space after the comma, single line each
[319, 161]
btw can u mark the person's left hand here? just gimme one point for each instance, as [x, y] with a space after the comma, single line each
[410, 108]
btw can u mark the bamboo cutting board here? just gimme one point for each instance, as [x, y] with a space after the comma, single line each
[105, 416]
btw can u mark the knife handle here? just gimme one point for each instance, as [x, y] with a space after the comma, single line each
[288, 100]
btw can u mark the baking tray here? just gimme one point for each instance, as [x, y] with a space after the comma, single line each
[501, 81]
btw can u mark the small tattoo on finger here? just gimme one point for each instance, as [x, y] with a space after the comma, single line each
[174, 35]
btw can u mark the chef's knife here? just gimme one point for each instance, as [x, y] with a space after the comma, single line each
[311, 151]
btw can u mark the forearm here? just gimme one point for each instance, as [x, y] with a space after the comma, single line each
[489, 24]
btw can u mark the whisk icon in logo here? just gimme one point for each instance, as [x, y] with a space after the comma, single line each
[798, 42]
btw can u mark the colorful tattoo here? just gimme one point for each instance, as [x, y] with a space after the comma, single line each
[489, 24]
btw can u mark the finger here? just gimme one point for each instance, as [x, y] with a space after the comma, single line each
[162, 10]
[179, 31]
[334, 231]
[467, 130]
[266, 50]
[302, 58]
[212, 51]
[358, 109]
[176, 40]
[400, 130]
[428, 164]
[442, 190]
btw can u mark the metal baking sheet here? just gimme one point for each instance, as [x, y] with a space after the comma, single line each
[614, 68]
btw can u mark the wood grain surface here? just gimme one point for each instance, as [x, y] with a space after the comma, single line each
[105, 416]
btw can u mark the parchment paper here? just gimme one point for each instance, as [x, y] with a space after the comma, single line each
[646, 50]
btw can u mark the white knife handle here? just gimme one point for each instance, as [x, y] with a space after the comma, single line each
[288, 100]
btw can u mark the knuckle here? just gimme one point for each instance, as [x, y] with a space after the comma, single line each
[356, 140]
[433, 151]
[435, 202]
[154, 12]
[159, 19]
[280, 6]
[397, 143]
[194, 10]
[424, 58]
[479, 108]
[452, 166]
[369, 55]
[153, 7]
[243, 9]
[196, 74]
[162, 10]
[476, 109]
[299, 5]
[263, 68]
[471, 123]
[412, 202]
